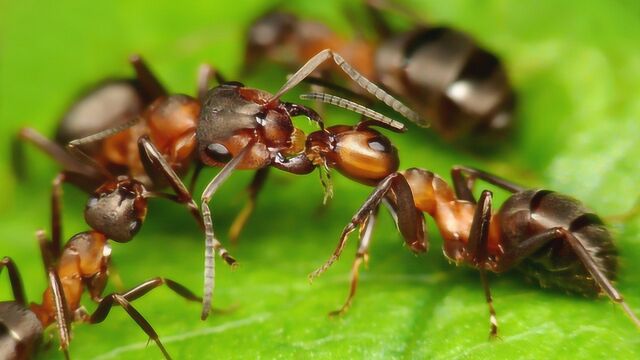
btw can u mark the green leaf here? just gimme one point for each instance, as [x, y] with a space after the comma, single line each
[576, 66]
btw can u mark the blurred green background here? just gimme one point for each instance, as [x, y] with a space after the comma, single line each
[576, 67]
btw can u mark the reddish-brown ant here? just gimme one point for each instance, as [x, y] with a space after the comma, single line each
[462, 88]
[135, 152]
[552, 238]
[245, 128]
[82, 265]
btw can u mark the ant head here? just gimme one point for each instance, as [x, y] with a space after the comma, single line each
[172, 121]
[231, 117]
[270, 36]
[358, 152]
[117, 209]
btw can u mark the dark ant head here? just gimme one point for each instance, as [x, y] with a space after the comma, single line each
[358, 152]
[268, 37]
[117, 209]
[232, 116]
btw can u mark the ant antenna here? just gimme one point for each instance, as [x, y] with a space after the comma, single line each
[355, 107]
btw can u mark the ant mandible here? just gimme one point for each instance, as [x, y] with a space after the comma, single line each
[444, 74]
[245, 128]
[552, 238]
[82, 265]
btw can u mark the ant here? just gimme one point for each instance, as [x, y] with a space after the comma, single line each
[550, 237]
[123, 164]
[462, 88]
[83, 265]
[246, 128]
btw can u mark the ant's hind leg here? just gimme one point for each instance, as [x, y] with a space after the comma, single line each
[14, 279]
[362, 255]
[253, 189]
[464, 178]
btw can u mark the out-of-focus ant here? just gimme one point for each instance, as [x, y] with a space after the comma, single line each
[551, 238]
[245, 128]
[462, 88]
[82, 265]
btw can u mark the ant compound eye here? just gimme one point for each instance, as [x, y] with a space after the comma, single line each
[218, 152]
[93, 201]
[135, 226]
[379, 145]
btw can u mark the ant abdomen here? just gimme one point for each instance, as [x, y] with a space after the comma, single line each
[556, 265]
[445, 74]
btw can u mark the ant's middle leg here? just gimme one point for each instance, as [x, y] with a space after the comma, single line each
[151, 86]
[476, 248]
[254, 189]
[410, 224]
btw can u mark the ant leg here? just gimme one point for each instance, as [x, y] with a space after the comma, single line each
[56, 215]
[45, 250]
[154, 163]
[362, 255]
[207, 72]
[477, 248]
[375, 8]
[211, 243]
[14, 278]
[151, 86]
[56, 152]
[254, 188]
[62, 311]
[328, 85]
[363, 82]
[194, 176]
[105, 305]
[411, 226]
[464, 177]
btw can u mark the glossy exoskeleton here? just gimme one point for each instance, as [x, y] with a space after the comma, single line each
[245, 128]
[443, 73]
[551, 238]
[82, 266]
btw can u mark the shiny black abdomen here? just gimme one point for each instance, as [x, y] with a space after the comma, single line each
[555, 264]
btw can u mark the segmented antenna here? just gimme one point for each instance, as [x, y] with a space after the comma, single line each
[355, 107]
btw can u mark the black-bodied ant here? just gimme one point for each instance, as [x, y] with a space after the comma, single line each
[245, 128]
[461, 87]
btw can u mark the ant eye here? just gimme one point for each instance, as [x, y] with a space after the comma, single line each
[218, 152]
[380, 145]
[135, 226]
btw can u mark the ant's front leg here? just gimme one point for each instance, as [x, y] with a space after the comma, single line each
[124, 300]
[211, 243]
[14, 279]
[362, 255]
[156, 166]
[409, 220]
[253, 189]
